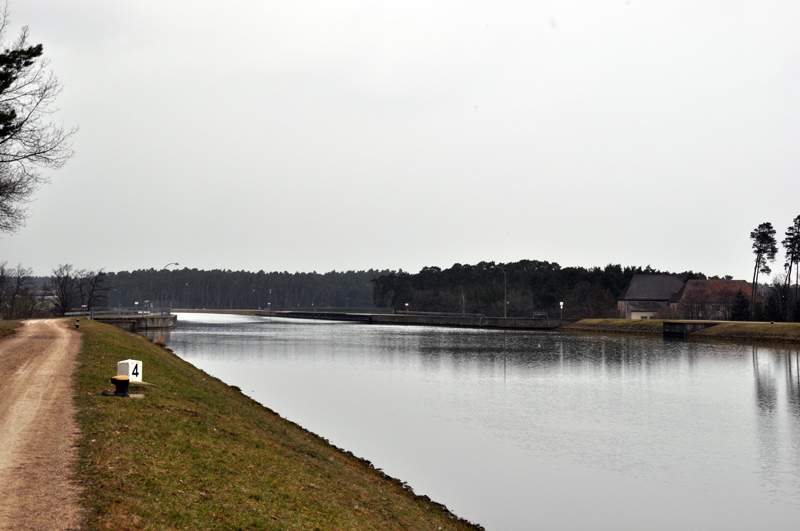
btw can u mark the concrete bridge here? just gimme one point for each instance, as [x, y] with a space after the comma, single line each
[456, 321]
[135, 323]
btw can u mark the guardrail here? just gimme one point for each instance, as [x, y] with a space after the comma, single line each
[120, 312]
[449, 314]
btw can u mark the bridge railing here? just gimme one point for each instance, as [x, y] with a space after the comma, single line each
[121, 311]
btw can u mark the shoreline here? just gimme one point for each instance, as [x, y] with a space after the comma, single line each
[718, 330]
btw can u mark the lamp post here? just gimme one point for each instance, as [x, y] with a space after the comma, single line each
[561, 304]
[505, 290]
[162, 285]
[259, 300]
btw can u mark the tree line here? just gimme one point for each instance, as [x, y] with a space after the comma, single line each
[23, 295]
[781, 302]
[525, 288]
[228, 290]
[68, 288]
[516, 289]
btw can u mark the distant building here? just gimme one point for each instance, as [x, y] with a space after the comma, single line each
[646, 295]
[708, 299]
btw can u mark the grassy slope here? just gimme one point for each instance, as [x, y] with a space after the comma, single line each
[195, 453]
[758, 331]
[786, 332]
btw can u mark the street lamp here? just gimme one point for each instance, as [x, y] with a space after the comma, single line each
[505, 290]
[562, 309]
[162, 285]
[259, 300]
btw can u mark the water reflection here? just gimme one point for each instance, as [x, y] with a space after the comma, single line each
[513, 429]
[776, 375]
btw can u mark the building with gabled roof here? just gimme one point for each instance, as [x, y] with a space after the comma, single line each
[647, 294]
[708, 299]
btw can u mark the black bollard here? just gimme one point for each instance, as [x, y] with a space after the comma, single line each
[121, 385]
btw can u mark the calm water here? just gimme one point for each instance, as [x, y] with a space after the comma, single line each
[520, 431]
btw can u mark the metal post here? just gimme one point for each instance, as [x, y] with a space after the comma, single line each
[505, 291]
[162, 286]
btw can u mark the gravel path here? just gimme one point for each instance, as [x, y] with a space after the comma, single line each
[38, 433]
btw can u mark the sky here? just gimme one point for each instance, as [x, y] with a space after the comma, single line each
[349, 135]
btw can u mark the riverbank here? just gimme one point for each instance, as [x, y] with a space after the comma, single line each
[748, 331]
[192, 452]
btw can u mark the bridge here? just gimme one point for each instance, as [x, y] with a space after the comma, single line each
[430, 319]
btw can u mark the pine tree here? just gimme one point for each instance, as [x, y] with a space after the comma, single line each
[29, 141]
[791, 245]
[740, 309]
[765, 248]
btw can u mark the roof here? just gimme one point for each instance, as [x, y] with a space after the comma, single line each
[720, 291]
[644, 287]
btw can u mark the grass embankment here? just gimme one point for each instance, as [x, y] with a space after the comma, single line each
[753, 331]
[750, 331]
[8, 328]
[195, 453]
[629, 326]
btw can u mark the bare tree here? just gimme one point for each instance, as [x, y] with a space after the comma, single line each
[92, 288]
[29, 141]
[3, 282]
[62, 286]
[18, 292]
[588, 300]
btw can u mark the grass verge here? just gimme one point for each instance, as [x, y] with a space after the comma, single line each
[8, 328]
[755, 331]
[751, 331]
[195, 453]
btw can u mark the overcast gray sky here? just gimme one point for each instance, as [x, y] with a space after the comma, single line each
[320, 135]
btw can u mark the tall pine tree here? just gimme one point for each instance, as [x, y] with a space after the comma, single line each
[765, 249]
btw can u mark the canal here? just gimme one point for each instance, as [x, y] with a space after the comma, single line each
[526, 430]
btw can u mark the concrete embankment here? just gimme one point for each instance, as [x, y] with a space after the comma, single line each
[137, 323]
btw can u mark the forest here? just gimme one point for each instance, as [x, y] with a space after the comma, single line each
[528, 286]
[226, 290]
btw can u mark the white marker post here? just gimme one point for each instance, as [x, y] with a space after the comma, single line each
[130, 368]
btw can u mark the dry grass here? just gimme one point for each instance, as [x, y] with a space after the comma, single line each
[195, 453]
[785, 332]
[8, 328]
[159, 340]
[757, 331]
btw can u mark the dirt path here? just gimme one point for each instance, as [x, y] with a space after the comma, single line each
[38, 432]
